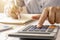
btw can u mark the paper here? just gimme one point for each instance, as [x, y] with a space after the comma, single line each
[4, 28]
[24, 18]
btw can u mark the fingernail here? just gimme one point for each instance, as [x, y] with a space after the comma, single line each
[39, 26]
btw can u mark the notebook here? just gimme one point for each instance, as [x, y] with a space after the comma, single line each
[24, 19]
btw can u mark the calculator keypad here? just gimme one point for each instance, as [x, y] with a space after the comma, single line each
[43, 29]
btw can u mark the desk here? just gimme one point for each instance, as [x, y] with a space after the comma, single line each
[4, 35]
[13, 38]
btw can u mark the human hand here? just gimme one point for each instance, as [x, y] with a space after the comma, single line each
[14, 12]
[36, 17]
[50, 13]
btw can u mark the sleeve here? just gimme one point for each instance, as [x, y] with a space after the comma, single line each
[33, 6]
[52, 3]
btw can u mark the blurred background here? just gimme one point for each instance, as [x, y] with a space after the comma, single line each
[2, 4]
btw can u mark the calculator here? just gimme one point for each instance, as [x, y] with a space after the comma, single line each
[31, 31]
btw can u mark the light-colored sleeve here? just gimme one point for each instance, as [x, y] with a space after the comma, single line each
[52, 3]
[33, 6]
[37, 6]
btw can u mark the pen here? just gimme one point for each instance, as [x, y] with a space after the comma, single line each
[19, 16]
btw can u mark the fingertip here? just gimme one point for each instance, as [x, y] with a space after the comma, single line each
[39, 26]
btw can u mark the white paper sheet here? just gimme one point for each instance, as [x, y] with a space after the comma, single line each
[24, 18]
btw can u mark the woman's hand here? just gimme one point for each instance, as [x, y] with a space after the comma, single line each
[50, 13]
[14, 12]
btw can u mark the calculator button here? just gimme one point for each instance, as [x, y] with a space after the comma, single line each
[52, 26]
[43, 30]
[31, 29]
[37, 30]
[50, 30]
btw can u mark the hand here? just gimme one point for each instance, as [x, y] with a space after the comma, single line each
[50, 13]
[36, 17]
[14, 12]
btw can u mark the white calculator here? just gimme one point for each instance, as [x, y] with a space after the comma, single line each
[31, 31]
